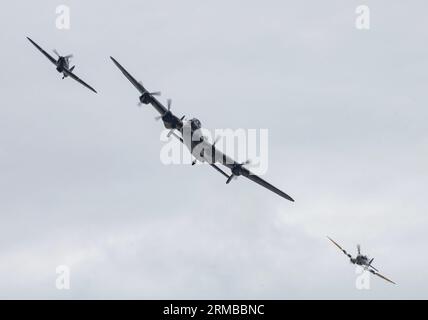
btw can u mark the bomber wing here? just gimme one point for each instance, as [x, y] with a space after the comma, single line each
[138, 85]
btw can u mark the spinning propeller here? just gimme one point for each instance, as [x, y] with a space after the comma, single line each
[155, 93]
[168, 102]
[67, 57]
[236, 171]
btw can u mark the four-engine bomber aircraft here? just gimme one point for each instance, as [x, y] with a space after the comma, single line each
[200, 148]
[62, 65]
[362, 260]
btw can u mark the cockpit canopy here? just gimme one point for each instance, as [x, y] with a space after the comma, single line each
[195, 123]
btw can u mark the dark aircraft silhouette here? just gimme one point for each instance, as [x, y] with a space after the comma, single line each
[362, 260]
[62, 65]
[200, 148]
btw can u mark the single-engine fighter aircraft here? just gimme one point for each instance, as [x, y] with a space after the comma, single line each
[200, 148]
[62, 65]
[362, 260]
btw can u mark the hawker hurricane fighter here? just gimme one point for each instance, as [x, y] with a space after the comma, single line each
[62, 65]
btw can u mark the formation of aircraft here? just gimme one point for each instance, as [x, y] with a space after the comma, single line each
[362, 260]
[199, 147]
[62, 65]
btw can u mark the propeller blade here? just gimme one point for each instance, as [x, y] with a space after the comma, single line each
[69, 56]
[182, 118]
[156, 93]
[168, 102]
[158, 118]
[56, 52]
[246, 162]
[230, 178]
[359, 249]
[217, 139]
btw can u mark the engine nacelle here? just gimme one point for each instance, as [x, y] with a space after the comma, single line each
[145, 98]
[237, 170]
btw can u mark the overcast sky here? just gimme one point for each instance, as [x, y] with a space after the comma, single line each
[81, 183]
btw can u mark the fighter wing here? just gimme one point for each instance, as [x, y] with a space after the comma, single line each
[381, 276]
[72, 75]
[156, 104]
[341, 249]
[373, 268]
[47, 55]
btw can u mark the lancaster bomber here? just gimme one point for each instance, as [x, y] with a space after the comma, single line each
[362, 260]
[62, 65]
[200, 148]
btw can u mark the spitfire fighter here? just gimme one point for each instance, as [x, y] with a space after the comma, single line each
[62, 65]
[200, 148]
[362, 260]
